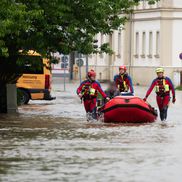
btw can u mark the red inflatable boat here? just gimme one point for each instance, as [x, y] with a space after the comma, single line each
[128, 109]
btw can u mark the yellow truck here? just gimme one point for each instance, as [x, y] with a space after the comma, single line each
[35, 83]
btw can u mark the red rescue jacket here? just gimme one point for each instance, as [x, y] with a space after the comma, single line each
[163, 87]
[124, 83]
[90, 89]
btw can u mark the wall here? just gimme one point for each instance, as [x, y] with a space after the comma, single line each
[147, 27]
[162, 18]
[177, 43]
[177, 3]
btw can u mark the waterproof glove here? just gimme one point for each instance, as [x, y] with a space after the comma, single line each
[174, 100]
[107, 98]
[80, 95]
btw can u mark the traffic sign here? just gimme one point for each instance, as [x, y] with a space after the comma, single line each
[180, 56]
[64, 65]
[79, 62]
[64, 59]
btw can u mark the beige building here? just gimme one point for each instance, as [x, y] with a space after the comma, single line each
[152, 38]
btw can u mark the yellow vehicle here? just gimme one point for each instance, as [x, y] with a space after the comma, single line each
[35, 83]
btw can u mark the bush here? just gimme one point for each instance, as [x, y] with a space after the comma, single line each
[179, 88]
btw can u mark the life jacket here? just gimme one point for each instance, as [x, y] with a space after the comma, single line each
[121, 83]
[162, 87]
[88, 91]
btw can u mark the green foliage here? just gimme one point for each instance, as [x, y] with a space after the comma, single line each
[99, 97]
[179, 88]
[58, 25]
[153, 1]
[105, 48]
[49, 26]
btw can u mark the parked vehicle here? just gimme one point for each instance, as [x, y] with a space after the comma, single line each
[35, 83]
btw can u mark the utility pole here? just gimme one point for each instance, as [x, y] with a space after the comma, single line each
[64, 76]
[72, 62]
[64, 61]
[95, 46]
[86, 63]
[79, 63]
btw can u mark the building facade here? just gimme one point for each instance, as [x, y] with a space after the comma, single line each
[150, 39]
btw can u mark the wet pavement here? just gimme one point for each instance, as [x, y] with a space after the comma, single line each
[51, 141]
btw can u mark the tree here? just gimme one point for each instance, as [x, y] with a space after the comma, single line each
[49, 26]
[58, 25]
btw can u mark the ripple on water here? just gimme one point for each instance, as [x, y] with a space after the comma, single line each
[53, 142]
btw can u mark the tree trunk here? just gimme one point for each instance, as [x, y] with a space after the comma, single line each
[9, 73]
[11, 91]
[72, 62]
[3, 98]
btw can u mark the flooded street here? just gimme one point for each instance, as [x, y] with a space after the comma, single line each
[51, 141]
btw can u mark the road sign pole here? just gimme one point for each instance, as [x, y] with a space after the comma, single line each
[80, 74]
[86, 63]
[64, 62]
[64, 76]
[80, 63]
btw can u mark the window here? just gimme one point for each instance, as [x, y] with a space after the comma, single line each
[150, 44]
[137, 44]
[31, 64]
[157, 43]
[119, 43]
[64, 61]
[143, 44]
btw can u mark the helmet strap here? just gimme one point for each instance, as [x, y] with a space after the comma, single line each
[123, 73]
[89, 79]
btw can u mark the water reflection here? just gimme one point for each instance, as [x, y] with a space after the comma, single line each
[53, 142]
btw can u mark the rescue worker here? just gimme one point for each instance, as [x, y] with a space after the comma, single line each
[123, 81]
[112, 91]
[163, 85]
[88, 91]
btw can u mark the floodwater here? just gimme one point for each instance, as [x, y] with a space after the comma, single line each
[51, 141]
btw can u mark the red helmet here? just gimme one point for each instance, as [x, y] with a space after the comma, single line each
[123, 67]
[91, 73]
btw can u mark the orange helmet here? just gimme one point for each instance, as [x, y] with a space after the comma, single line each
[91, 73]
[123, 67]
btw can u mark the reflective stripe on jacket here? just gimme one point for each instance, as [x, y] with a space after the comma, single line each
[163, 87]
[124, 83]
[88, 88]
